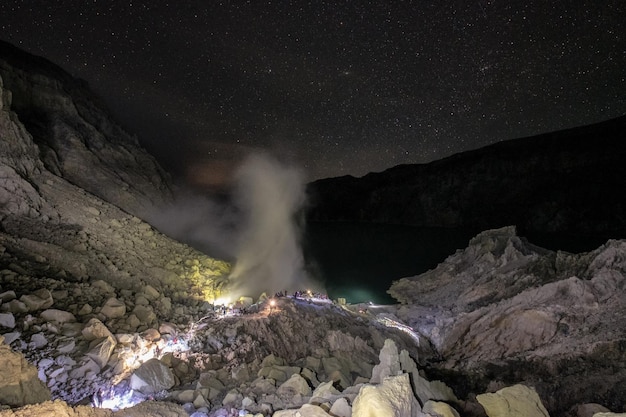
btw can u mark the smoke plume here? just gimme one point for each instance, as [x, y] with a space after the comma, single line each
[269, 257]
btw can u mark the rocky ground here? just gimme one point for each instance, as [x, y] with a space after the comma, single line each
[504, 311]
[100, 311]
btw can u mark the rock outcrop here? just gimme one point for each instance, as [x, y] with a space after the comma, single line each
[65, 128]
[503, 311]
[535, 183]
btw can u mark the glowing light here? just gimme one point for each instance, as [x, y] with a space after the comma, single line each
[114, 400]
[223, 301]
[272, 303]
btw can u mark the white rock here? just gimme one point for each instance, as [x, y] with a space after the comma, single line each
[341, 408]
[7, 320]
[393, 398]
[516, 401]
[439, 409]
[152, 376]
[389, 364]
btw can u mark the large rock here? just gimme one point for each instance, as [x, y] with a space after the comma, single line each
[516, 401]
[19, 381]
[503, 311]
[392, 398]
[152, 376]
[76, 134]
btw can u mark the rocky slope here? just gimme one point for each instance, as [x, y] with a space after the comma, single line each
[503, 311]
[73, 135]
[99, 311]
[558, 182]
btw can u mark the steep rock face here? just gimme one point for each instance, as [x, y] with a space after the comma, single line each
[503, 311]
[75, 136]
[562, 182]
[19, 161]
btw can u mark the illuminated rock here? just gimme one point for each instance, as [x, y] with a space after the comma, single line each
[341, 408]
[19, 381]
[100, 350]
[392, 398]
[95, 329]
[389, 364]
[515, 401]
[439, 409]
[152, 376]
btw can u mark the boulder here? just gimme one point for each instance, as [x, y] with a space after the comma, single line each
[389, 364]
[151, 377]
[515, 401]
[19, 381]
[95, 329]
[392, 398]
[100, 350]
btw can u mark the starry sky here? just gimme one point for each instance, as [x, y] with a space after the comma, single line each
[335, 87]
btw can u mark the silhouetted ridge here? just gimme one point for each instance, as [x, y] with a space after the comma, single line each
[566, 181]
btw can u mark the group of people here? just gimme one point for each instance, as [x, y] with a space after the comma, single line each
[308, 294]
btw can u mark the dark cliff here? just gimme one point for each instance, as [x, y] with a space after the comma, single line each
[73, 134]
[570, 181]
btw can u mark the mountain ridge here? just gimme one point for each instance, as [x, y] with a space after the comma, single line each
[531, 182]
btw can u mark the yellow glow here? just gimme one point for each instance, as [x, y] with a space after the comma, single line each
[272, 303]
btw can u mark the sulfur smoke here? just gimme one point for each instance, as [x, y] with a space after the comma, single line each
[268, 257]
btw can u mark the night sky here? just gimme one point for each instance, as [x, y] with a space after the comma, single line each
[336, 87]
